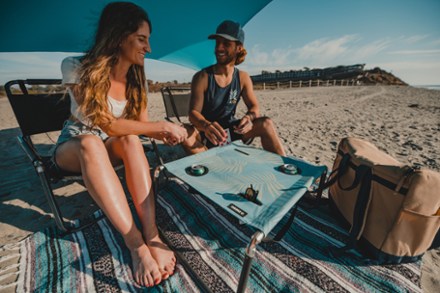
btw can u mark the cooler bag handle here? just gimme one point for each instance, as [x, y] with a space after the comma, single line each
[364, 175]
[360, 172]
[336, 173]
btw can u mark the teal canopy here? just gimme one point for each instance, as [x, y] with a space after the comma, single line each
[180, 28]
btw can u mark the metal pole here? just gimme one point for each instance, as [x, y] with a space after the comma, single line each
[156, 176]
[250, 253]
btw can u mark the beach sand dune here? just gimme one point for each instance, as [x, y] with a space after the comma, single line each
[402, 121]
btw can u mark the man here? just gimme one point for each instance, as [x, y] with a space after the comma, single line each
[215, 93]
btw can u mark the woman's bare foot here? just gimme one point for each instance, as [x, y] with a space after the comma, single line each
[163, 255]
[145, 268]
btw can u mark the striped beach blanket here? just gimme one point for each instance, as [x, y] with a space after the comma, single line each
[213, 244]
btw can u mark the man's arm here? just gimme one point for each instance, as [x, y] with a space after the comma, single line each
[213, 131]
[251, 102]
[199, 85]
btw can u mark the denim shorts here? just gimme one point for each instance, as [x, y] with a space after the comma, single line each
[72, 129]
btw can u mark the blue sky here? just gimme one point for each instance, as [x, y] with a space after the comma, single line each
[401, 36]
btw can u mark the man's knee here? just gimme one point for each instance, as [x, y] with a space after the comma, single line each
[190, 129]
[193, 144]
[265, 124]
[193, 136]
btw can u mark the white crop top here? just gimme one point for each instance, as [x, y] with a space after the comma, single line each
[69, 69]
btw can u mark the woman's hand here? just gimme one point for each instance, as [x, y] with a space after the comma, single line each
[174, 134]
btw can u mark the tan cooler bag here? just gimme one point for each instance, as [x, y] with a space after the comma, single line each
[393, 209]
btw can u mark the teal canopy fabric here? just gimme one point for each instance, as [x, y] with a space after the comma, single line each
[180, 28]
[233, 168]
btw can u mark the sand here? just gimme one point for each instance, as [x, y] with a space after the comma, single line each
[402, 121]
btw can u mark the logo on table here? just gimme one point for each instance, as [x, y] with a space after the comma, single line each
[237, 210]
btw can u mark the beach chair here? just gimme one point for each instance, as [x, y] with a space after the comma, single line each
[42, 112]
[176, 102]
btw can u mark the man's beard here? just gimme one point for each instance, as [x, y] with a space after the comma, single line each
[224, 60]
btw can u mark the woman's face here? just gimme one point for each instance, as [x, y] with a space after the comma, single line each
[136, 45]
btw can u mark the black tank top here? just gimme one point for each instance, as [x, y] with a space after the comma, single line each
[220, 103]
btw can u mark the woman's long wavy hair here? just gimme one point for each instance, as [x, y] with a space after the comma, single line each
[118, 20]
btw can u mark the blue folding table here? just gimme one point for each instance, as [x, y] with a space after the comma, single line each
[224, 174]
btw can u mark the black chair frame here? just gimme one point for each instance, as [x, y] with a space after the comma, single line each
[39, 113]
[176, 101]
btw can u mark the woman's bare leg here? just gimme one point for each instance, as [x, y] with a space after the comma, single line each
[87, 154]
[130, 150]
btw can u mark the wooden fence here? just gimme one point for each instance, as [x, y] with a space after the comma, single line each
[302, 83]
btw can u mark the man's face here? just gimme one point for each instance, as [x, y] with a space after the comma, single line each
[225, 51]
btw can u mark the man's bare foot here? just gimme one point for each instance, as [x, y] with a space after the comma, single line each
[163, 255]
[145, 268]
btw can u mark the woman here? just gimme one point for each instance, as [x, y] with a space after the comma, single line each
[109, 110]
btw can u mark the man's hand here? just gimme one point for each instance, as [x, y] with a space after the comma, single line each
[244, 126]
[215, 133]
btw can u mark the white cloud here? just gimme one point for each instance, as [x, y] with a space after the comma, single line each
[413, 66]
[31, 65]
[282, 56]
[164, 71]
[416, 52]
[363, 52]
[318, 53]
[36, 59]
[325, 49]
[414, 72]
[416, 38]
[257, 57]
[321, 52]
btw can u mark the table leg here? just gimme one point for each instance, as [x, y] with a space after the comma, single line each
[156, 176]
[250, 253]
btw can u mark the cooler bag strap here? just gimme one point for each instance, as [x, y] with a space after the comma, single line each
[362, 203]
[336, 173]
[360, 209]
[286, 227]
